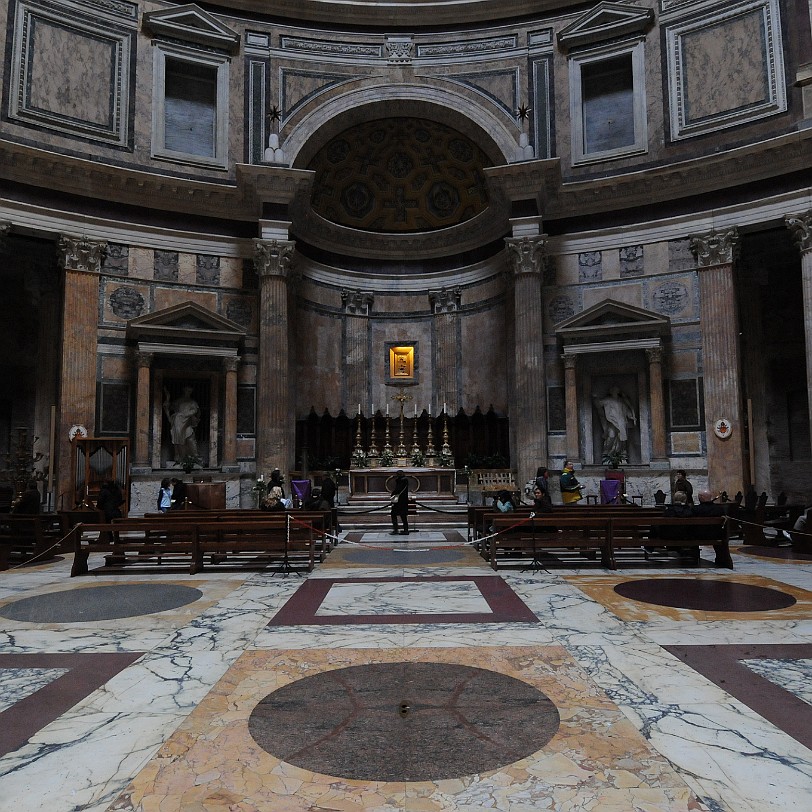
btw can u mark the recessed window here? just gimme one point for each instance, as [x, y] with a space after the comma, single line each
[190, 108]
[190, 123]
[608, 104]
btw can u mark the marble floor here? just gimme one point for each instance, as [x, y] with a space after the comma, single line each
[403, 674]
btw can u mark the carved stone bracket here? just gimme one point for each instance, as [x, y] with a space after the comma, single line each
[716, 248]
[445, 300]
[80, 253]
[800, 226]
[274, 257]
[357, 302]
[526, 254]
[399, 50]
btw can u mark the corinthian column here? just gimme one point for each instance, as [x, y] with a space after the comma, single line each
[445, 304]
[571, 407]
[528, 414]
[275, 423]
[141, 456]
[357, 307]
[230, 414]
[715, 254]
[800, 227]
[80, 259]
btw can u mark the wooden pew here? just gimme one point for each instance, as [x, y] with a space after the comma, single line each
[587, 536]
[634, 533]
[28, 537]
[145, 540]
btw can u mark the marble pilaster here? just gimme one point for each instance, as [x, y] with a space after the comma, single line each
[657, 403]
[445, 305]
[80, 259]
[274, 259]
[800, 227]
[715, 253]
[529, 414]
[357, 307]
[571, 406]
[143, 362]
[230, 413]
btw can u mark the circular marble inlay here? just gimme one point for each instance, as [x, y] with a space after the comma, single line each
[404, 721]
[711, 596]
[398, 556]
[100, 603]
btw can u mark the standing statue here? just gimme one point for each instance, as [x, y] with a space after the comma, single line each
[183, 415]
[615, 410]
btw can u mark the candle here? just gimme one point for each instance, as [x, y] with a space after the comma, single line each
[373, 410]
[444, 408]
[359, 408]
[415, 411]
[387, 410]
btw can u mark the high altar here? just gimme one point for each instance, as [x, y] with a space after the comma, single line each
[422, 481]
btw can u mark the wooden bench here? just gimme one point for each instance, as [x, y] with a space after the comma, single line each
[321, 521]
[28, 537]
[688, 533]
[147, 540]
[605, 534]
[523, 537]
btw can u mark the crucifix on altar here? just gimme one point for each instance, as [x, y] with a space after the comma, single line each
[400, 452]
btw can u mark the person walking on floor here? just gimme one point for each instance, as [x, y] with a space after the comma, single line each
[400, 504]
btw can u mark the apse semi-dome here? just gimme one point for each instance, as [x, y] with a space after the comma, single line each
[399, 175]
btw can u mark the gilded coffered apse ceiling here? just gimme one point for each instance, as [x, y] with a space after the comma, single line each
[398, 176]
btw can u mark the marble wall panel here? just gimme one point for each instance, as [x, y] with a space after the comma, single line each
[319, 363]
[686, 442]
[246, 373]
[683, 363]
[673, 296]
[246, 447]
[141, 263]
[482, 360]
[116, 367]
[630, 294]
[122, 302]
[231, 272]
[567, 269]
[166, 297]
[559, 305]
[187, 269]
[242, 310]
[382, 334]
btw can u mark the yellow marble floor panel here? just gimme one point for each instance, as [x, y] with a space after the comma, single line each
[342, 557]
[602, 589]
[597, 760]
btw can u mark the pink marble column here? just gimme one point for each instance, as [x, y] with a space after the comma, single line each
[801, 228]
[528, 417]
[230, 413]
[445, 304]
[275, 422]
[657, 403]
[571, 407]
[80, 259]
[721, 358]
[141, 456]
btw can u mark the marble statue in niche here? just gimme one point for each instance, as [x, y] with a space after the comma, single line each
[183, 414]
[615, 411]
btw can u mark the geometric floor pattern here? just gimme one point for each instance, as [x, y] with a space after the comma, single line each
[397, 679]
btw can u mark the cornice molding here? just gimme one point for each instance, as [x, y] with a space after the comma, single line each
[242, 200]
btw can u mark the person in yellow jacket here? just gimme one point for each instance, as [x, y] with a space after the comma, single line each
[570, 487]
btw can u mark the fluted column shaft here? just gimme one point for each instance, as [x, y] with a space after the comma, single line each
[357, 305]
[657, 403]
[445, 305]
[274, 419]
[571, 407]
[721, 358]
[80, 259]
[230, 413]
[141, 455]
[801, 228]
[528, 413]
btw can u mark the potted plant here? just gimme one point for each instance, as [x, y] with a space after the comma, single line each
[189, 462]
[614, 458]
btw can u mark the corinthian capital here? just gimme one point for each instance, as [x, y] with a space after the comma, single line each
[273, 257]
[716, 248]
[357, 302]
[80, 253]
[526, 254]
[800, 226]
[445, 300]
[5, 228]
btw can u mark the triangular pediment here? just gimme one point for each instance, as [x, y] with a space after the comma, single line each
[187, 324]
[191, 23]
[611, 320]
[604, 22]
